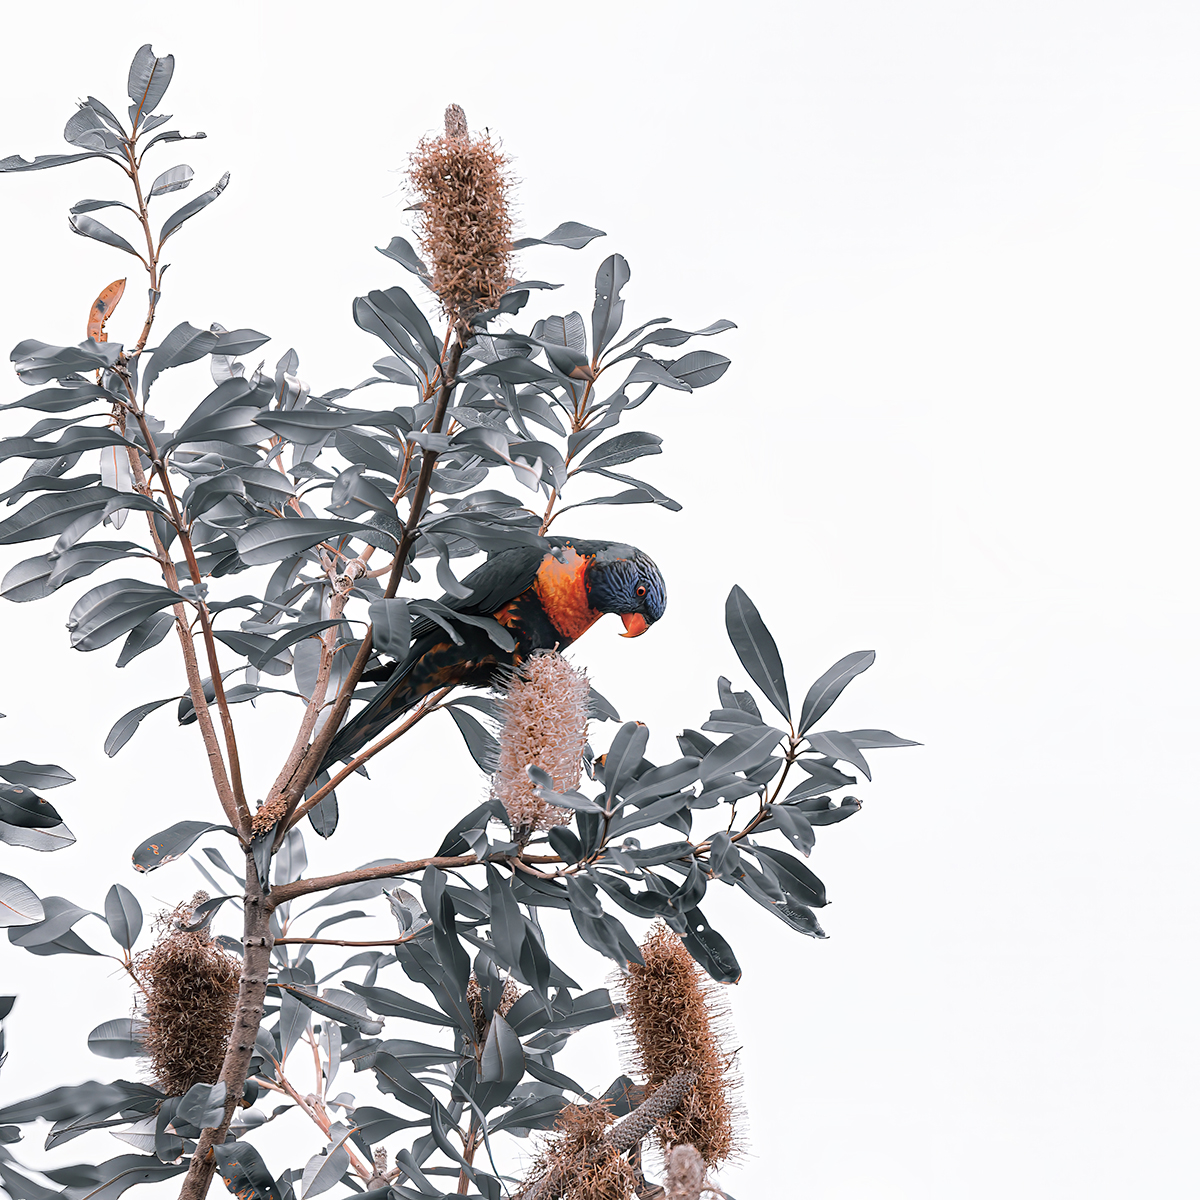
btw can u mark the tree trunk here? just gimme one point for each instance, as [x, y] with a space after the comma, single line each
[252, 991]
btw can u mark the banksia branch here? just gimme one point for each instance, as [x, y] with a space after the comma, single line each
[461, 184]
[545, 717]
[676, 1022]
[191, 989]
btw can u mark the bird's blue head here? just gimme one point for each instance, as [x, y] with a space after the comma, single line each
[623, 580]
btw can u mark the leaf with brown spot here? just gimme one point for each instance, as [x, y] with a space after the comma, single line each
[103, 308]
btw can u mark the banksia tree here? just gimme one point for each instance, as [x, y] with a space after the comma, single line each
[322, 504]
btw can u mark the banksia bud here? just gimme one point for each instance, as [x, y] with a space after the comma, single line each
[545, 714]
[463, 223]
[676, 1021]
[508, 997]
[191, 988]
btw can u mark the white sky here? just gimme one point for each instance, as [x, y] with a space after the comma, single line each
[960, 243]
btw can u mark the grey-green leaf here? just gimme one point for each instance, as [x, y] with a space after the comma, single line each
[18, 904]
[106, 612]
[829, 687]
[118, 1038]
[123, 914]
[756, 648]
[126, 726]
[165, 847]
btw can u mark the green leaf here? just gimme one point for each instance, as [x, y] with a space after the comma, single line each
[36, 775]
[126, 726]
[244, 1172]
[149, 78]
[50, 515]
[123, 914]
[174, 180]
[191, 208]
[829, 687]
[14, 162]
[710, 949]
[18, 905]
[570, 234]
[167, 846]
[503, 1059]
[481, 744]
[88, 227]
[623, 448]
[609, 308]
[699, 368]
[740, 752]
[393, 1004]
[756, 648]
[277, 538]
[118, 1038]
[106, 612]
[26, 810]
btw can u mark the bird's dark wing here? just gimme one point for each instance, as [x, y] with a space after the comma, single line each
[503, 577]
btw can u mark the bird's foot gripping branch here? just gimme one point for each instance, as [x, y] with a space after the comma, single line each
[326, 508]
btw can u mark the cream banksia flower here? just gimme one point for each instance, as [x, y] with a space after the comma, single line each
[676, 1020]
[464, 225]
[191, 989]
[544, 714]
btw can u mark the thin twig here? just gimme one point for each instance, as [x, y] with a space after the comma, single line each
[323, 883]
[424, 709]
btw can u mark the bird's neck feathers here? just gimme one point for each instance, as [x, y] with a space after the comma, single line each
[562, 588]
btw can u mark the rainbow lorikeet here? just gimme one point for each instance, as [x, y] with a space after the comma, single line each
[545, 599]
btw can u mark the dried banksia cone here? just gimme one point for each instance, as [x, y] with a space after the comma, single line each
[545, 716]
[577, 1164]
[676, 1021]
[191, 988]
[464, 225]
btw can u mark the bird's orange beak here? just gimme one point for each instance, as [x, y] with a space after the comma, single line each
[635, 624]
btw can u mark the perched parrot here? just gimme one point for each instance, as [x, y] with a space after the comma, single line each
[546, 599]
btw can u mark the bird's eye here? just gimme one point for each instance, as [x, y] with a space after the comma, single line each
[641, 590]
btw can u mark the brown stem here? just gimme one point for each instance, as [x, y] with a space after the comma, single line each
[242, 823]
[316, 702]
[322, 883]
[426, 707]
[472, 1144]
[287, 941]
[311, 763]
[191, 667]
[252, 990]
[320, 1118]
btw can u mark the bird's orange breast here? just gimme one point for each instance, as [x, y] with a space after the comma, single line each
[562, 591]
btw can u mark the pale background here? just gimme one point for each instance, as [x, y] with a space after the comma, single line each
[960, 243]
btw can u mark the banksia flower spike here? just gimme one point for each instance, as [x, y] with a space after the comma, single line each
[676, 1021]
[191, 988]
[464, 225]
[577, 1163]
[544, 714]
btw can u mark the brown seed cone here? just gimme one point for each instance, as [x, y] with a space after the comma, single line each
[191, 988]
[676, 1021]
[461, 186]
